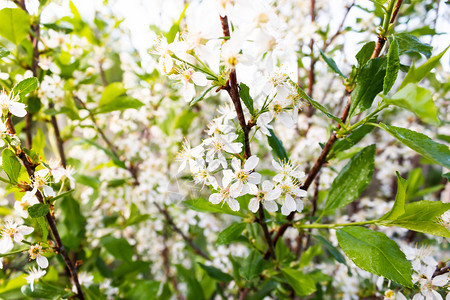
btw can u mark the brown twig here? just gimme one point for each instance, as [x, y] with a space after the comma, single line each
[233, 91]
[169, 220]
[382, 39]
[323, 155]
[130, 168]
[166, 263]
[59, 140]
[51, 221]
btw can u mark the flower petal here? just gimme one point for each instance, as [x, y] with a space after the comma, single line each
[251, 163]
[253, 205]
[42, 261]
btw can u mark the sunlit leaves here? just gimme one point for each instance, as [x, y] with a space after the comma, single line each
[375, 252]
[14, 24]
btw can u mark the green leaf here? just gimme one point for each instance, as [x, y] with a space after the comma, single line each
[202, 205]
[119, 248]
[410, 44]
[108, 152]
[416, 75]
[4, 52]
[332, 64]
[194, 288]
[112, 97]
[422, 144]
[302, 284]
[365, 53]
[393, 65]
[44, 229]
[418, 100]
[14, 24]
[446, 175]
[331, 249]
[62, 195]
[376, 253]
[277, 146]
[230, 233]
[314, 103]
[38, 210]
[351, 140]
[399, 205]
[200, 98]
[10, 165]
[144, 290]
[422, 216]
[26, 86]
[244, 92]
[119, 103]
[369, 83]
[216, 273]
[309, 254]
[43, 290]
[252, 266]
[352, 179]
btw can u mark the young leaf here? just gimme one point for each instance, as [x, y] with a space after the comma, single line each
[14, 24]
[422, 216]
[108, 152]
[416, 75]
[202, 205]
[252, 266]
[422, 144]
[399, 205]
[302, 284]
[331, 249]
[10, 165]
[26, 86]
[352, 179]
[200, 98]
[119, 248]
[119, 103]
[244, 92]
[351, 140]
[230, 233]
[216, 273]
[277, 146]
[314, 103]
[418, 100]
[332, 64]
[38, 210]
[4, 52]
[369, 83]
[376, 253]
[43, 290]
[393, 65]
[363, 56]
[410, 44]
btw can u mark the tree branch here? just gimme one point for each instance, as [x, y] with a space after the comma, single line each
[323, 155]
[51, 221]
[233, 91]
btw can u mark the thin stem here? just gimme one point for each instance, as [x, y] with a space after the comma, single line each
[391, 14]
[233, 91]
[322, 157]
[51, 221]
[131, 169]
[59, 140]
[169, 220]
[331, 226]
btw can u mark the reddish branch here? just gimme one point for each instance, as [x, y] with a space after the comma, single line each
[169, 220]
[233, 91]
[321, 160]
[50, 219]
[382, 39]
